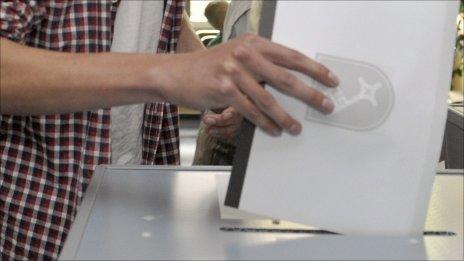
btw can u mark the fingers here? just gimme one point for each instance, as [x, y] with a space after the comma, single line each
[287, 83]
[294, 60]
[245, 107]
[228, 132]
[227, 118]
[255, 59]
[264, 101]
[225, 125]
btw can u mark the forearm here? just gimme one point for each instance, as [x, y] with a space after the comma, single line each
[36, 81]
[188, 39]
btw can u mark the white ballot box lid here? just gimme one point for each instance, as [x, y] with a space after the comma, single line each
[172, 213]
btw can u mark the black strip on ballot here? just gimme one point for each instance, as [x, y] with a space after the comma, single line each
[247, 131]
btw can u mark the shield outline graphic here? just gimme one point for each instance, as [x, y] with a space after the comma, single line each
[320, 57]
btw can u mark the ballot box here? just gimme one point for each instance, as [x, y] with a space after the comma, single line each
[174, 213]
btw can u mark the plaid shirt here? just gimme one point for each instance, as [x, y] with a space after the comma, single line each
[47, 161]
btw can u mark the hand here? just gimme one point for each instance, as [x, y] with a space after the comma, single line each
[229, 75]
[225, 125]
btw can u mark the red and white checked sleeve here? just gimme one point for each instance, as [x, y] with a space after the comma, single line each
[18, 18]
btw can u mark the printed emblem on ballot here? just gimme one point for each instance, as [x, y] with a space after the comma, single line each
[363, 100]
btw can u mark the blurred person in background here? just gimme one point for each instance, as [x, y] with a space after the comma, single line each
[216, 12]
[218, 130]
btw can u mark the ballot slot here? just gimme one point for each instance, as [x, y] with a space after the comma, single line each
[278, 230]
[234, 220]
[314, 231]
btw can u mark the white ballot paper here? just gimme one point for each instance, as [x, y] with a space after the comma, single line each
[368, 168]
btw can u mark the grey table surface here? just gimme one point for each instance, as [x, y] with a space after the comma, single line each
[173, 213]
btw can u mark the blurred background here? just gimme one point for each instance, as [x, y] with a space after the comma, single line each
[190, 119]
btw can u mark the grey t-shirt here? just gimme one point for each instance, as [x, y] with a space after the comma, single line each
[242, 17]
[136, 30]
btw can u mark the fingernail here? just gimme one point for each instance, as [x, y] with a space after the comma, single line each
[295, 129]
[209, 121]
[328, 105]
[334, 79]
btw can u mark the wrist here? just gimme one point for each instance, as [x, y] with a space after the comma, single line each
[154, 79]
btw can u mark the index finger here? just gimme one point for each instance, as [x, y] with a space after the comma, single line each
[294, 60]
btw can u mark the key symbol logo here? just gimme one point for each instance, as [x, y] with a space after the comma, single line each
[363, 100]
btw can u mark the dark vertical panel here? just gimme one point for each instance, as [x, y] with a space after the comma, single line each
[245, 137]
